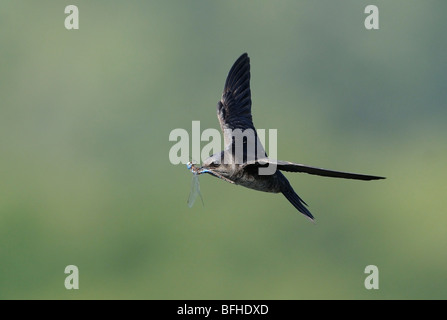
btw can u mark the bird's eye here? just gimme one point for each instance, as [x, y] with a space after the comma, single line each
[213, 164]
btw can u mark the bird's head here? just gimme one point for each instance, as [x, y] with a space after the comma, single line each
[215, 166]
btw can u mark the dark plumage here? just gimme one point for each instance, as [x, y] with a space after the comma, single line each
[243, 168]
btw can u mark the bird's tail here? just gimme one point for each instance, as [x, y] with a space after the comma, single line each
[294, 199]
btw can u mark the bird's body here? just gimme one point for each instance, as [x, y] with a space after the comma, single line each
[250, 178]
[242, 160]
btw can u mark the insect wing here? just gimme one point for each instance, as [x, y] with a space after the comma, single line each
[195, 190]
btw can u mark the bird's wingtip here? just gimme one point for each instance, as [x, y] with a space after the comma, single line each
[243, 56]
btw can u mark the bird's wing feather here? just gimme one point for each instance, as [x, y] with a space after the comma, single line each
[296, 167]
[234, 108]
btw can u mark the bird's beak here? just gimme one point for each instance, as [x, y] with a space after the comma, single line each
[213, 173]
[204, 170]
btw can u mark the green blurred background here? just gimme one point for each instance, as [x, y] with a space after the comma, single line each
[85, 177]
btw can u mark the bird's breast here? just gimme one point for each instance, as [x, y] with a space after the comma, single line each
[266, 183]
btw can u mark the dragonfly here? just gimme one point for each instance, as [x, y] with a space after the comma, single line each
[195, 186]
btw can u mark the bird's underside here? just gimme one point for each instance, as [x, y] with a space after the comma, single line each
[234, 113]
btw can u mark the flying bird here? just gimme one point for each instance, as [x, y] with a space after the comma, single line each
[241, 164]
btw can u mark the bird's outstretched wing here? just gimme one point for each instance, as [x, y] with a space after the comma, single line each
[241, 141]
[296, 167]
[234, 108]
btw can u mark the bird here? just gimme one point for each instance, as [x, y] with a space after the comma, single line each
[240, 162]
